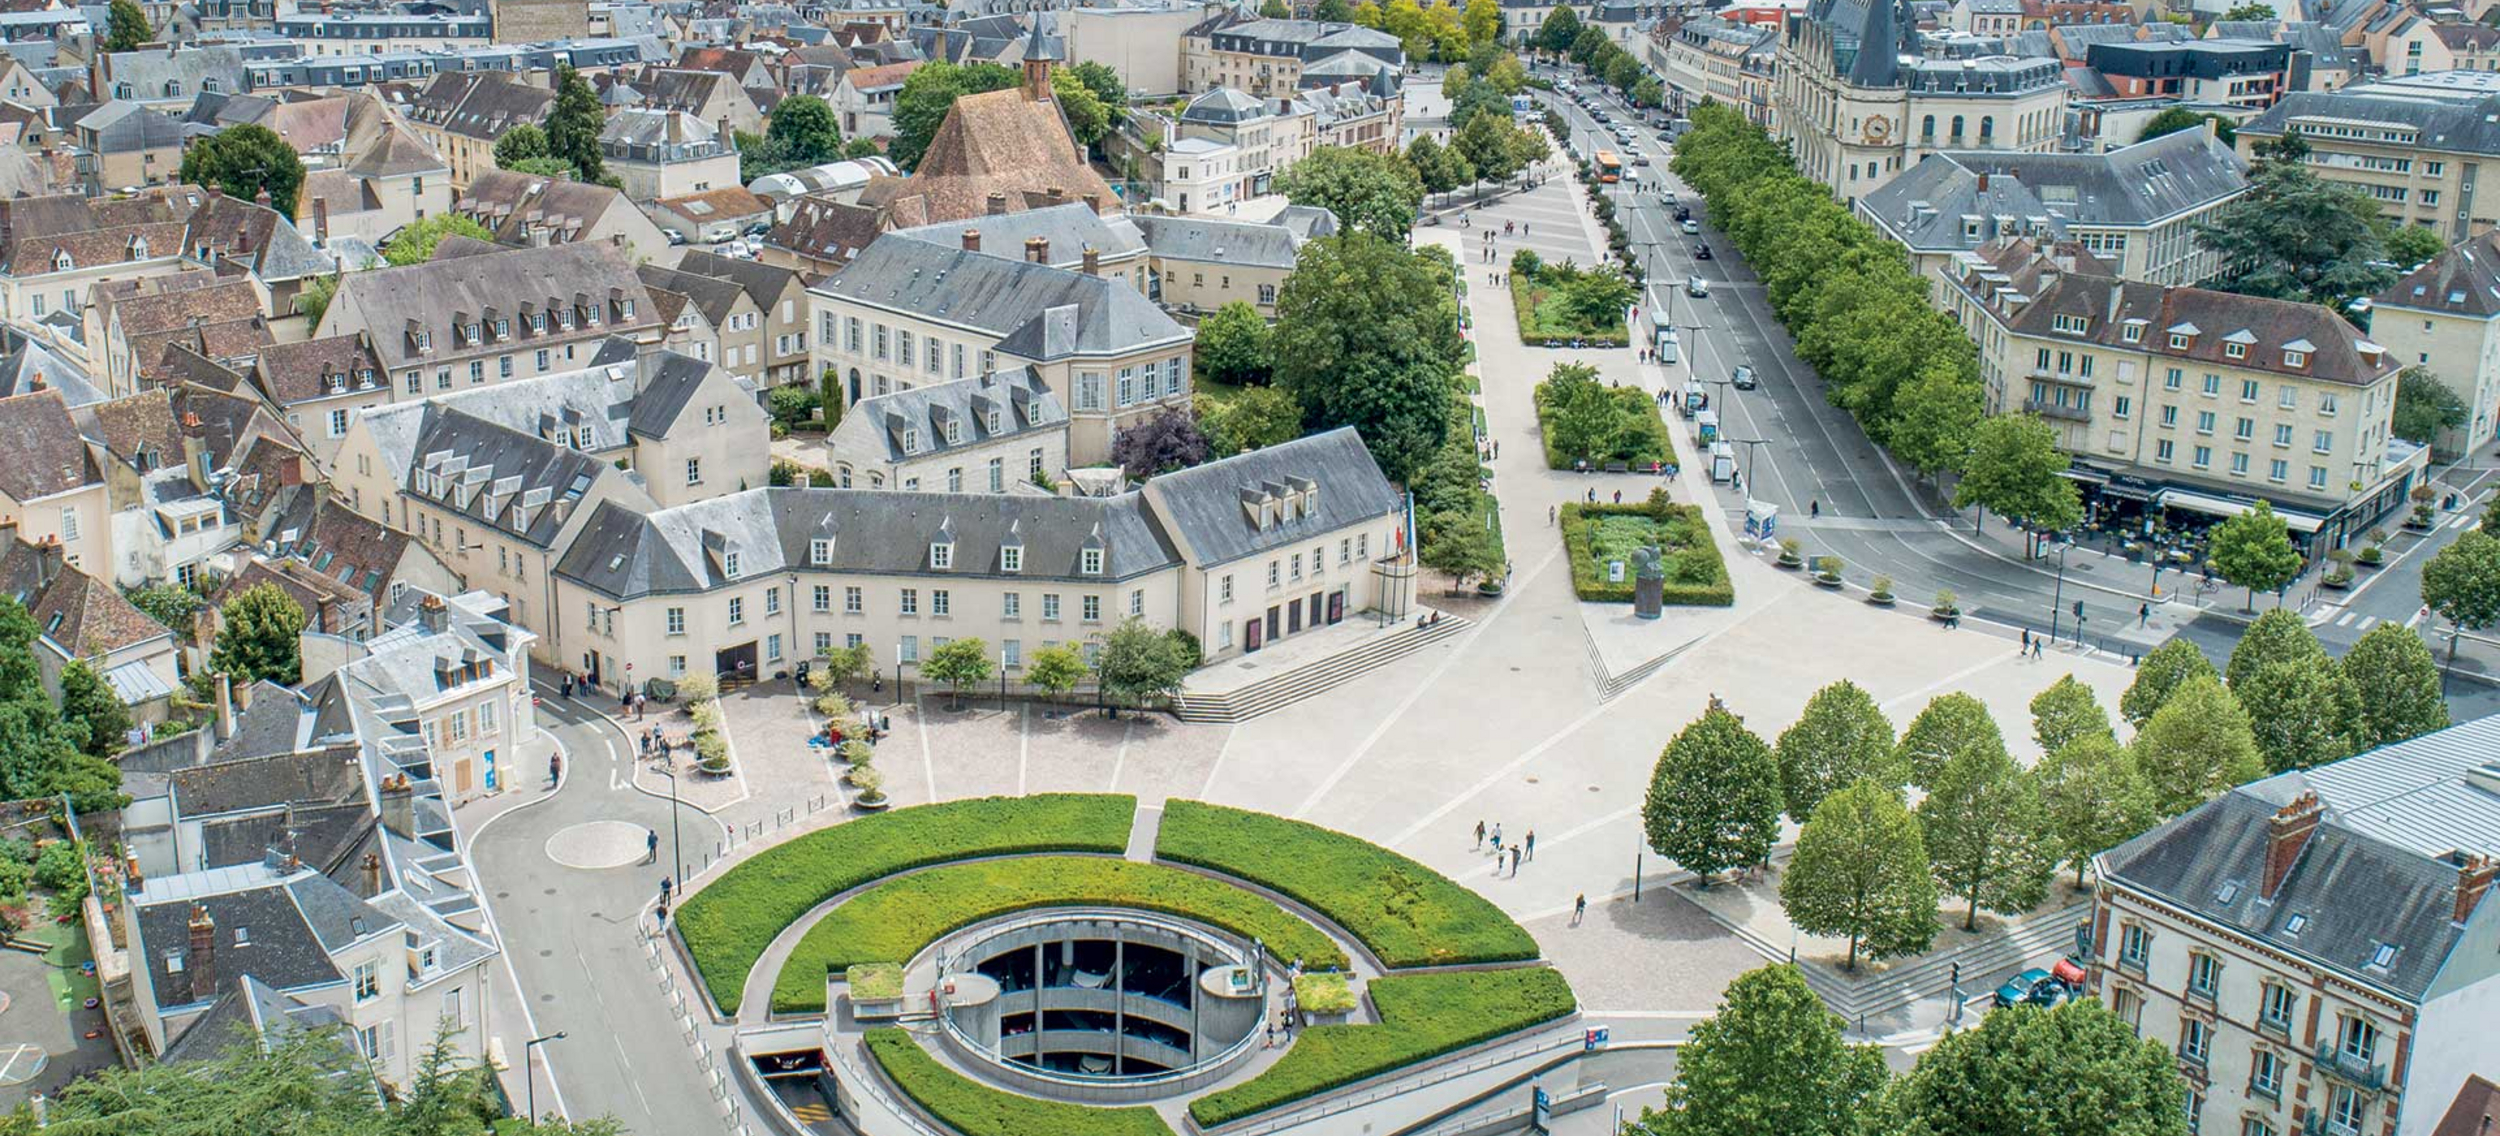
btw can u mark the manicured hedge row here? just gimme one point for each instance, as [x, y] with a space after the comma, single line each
[727, 925]
[899, 919]
[975, 1109]
[1421, 1016]
[1408, 914]
[1588, 576]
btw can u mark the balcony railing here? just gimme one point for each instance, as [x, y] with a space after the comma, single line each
[2318, 1124]
[2367, 1074]
[2053, 410]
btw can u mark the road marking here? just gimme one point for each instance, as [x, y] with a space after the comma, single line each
[2366, 622]
[1948, 680]
[2347, 619]
[628, 1062]
[1024, 747]
[1230, 732]
[1652, 1015]
[928, 761]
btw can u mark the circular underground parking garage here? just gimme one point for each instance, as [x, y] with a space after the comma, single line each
[1104, 1006]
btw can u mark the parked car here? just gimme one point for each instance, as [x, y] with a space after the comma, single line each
[1696, 287]
[1682, 212]
[1743, 379]
[1701, 252]
[2043, 988]
[1691, 227]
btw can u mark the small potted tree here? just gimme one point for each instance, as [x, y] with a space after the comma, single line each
[1790, 556]
[1947, 608]
[855, 752]
[1827, 571]
[1881, 594]
[2338, 573]
[711, 752]
[870, 781]
[2423, 512]
[2374, 554]
[695, 690]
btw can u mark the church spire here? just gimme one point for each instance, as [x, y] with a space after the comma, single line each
[1039, 59]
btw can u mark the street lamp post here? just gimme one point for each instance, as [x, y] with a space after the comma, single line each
[676, 845]
[2058, 599]
[528, 1071]
[1749, 444]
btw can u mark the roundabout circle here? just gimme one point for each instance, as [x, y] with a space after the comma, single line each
[598, 845]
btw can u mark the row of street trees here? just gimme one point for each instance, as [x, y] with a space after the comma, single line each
[1870, 868]
[1565, 34]
[1772, 1060]
[1486, 141]
[1134, 664]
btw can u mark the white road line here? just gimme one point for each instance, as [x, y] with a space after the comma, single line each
[928, 761]
[1119, 763]
[628, 1062]
[1652, 1015]
[2366, 622]
[2347, 619]
[1230, 732]
[1467, 640]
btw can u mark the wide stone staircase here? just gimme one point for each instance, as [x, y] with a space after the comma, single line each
[1871, 998]
[1318, 675]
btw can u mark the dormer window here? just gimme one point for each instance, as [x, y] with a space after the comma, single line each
[61, 261]
[538, 322]
[2295, 358]
[954, 432]
[911, 439]
[941, 555]
[2133, 333]
[425, 341]
[1011, 558]
[503, 328]
[819, 551]
[2235, 350]
[994, 419]
[474, 335]
[2178, 342]
[729, 565]
[2072, 325]
[138, 248]
[1090, 562]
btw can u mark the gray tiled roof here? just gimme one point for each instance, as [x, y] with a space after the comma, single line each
[1037, 312]
[1251, 243]
[1208, 506]
[1069, 228]
[2132, 186]
[506, 468]
[2463, 281]
[1020, 397]
[292, 924]
[624, 554]
[2462, 128]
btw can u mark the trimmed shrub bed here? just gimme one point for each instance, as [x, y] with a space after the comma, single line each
[901, 918]
[727, 925]
[1421, 1016]
[1595, 534]
[1543, 322]
[1408, 914]
[975, 1109]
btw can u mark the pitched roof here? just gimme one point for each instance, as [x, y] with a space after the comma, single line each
[626, 554]
[517, 206]
[995, 142]
[2463, 280]
[290, 373]
[1251, 243]
[2430, 124]
[88, 618]
[765, 283]
[1070, 228]
[713, 296]
[1038, 312]
[2134, 185]
[1020, 400]
[478, 104]
[715, 204]
[228, 230]
[1210, 508]
[386, 301]
[40, 451]
[2474, 1112]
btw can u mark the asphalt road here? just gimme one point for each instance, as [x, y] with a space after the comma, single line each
[572, 937]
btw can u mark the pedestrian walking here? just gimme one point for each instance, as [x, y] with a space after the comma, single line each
[1579, 908]
[1479, 834]
[568, 684]
[2025, 649]
[2036, 643]
[1497, 838]
[1497, 449]
[667, 885]
[2143, 614]
[1553, 513]
[1618, 496]
[662, 915]
[650, 846]
[1514, 860]
[1814, 508]
[555, 770]
[1531, 844]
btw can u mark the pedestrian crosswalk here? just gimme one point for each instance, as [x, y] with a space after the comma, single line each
[2366, 621]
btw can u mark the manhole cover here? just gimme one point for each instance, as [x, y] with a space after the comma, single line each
[597, 844]
[503, 895]
[546, 997]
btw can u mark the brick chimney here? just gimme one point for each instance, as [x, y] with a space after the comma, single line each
[1093, 261]
[399, 805]
[1093, 201]
[2287, 832]
[998, 205]
[1983, 182]
[972, 240]
[201, 961]
[2473, 879]
[432, 613]
[1037, 249]
[372, 868]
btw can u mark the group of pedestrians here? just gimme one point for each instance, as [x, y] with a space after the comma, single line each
[1523, 849]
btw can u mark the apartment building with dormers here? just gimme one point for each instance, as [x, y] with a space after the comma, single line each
[2317, 948]
[907, 313]
[478, 314]
[2188, 399]
[1240, 552]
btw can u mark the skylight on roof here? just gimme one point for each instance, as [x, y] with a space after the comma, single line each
[2384, 956]
[2296, 924]
[2230, 891]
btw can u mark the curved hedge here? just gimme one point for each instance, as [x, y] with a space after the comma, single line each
[899, 919]
[1421, 1016]
[975, 1109]
[1408, 914]
[727, 924]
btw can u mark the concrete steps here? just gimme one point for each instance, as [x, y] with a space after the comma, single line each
[1932, 974]
[1317, 676]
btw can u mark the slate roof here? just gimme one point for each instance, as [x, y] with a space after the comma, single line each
[40, 451]
[727, 202]
[507, 281]
[1037, 312]
[121, 127]
[1206, 506]
[291, 373]
[2465, 128]
[766, 284]
[88, 618]
[478, 104]
[1250, 243]
[1223, 106]
[251, 1012]
[2464, 280]
[1069, 228]
[511, 463]
[252, 236]
[395, 151]
[624, 554]
[340, 543]
[2433, 795]
[712, 296]
[512, 205]
[1021, 399]
[294, 923]
[2135, 185]
[30, 366]
[324, 776]
[92, 231]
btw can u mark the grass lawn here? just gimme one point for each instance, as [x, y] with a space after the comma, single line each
[1408, 914]
[1543, 319]
[974, 1109]
[727, 924]
[1595, 534]
[898, 920]
[1421, 1016]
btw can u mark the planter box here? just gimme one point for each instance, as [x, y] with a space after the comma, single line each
[1881, 601]
[1941, 616]
[1823, 581]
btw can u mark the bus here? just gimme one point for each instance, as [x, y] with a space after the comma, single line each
[1609, 167]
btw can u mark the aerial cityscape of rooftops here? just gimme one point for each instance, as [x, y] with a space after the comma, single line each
[974, 568]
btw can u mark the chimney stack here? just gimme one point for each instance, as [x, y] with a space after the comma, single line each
[399, 806]
[972, 240]
[372, 867]
[998, 205]
[434, 615]
[1093, 201]
[321, 222]
[2287, 832]
[225, 706]
[1037, 249]
[2473, 879]
[1983, 181]
[202, 960]
[1093, 261]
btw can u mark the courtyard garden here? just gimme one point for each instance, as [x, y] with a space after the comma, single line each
[1587, 424]
[1595, 535]
[1564, 303]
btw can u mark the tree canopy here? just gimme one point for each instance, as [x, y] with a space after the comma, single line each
[2066, 711]
[1138, 663]
[2254, 550]
[126, 26]
[2180, 118]
[2199, 744]
[929, 92]
[414, 244]
[2076, 1070]
[2094, 798]
[1367, 336]
[2016, 470]
[1861, 870]
[1987, 833]
[573, 126]
[1369, 192]
[2425, 407]
[1714, 796]
[1840, 739]
[1769, 1020]
[40, 752]
[243, 160]
[256, 636]
[2160, 672]
[2296, 236]
[1235, 345]
[1951, 725]
[2396, 692]
[1166, 442]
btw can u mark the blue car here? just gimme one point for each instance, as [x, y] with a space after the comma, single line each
[2036, 986]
